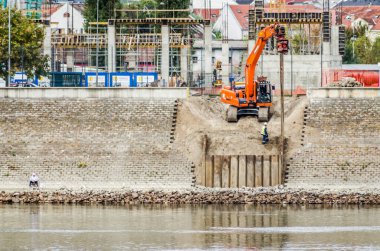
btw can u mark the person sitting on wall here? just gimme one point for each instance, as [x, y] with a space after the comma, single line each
[34, 181]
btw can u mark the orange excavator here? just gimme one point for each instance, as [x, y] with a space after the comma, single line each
[255, 97]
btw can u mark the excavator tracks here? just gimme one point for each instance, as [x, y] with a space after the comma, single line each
[232, 114]
[263, 114]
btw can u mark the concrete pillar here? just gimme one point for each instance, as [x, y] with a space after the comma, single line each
[225, 63]
[326, 48]
[18, 4]
[70, 60]
[47, 44]
[259, 66]
[184, 63]
[208, 54]
[334, 40]
[165, 55]
[111, 48]
[251, 43]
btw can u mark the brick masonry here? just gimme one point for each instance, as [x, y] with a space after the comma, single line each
[91, 142]
[341, 145]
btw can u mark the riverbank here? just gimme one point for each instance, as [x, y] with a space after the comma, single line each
[198, 195]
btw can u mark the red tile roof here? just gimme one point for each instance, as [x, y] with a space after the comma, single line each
[376, 27]
[369, 14]
[241, 13]
[212, 14]
[46, 11]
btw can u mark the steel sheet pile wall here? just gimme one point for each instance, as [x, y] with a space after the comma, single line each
[241, 171]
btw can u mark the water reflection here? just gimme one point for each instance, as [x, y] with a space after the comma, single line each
[26, 227]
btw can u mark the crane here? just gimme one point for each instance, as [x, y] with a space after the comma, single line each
[255, 97]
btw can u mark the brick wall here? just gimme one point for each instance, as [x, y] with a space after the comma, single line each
[82, 142]
[342, 144]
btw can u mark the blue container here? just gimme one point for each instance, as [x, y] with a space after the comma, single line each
[90, 78]
[66, 79]
[143, 79]
[121, 79]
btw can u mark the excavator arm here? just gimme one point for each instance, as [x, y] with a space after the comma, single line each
[263, 36]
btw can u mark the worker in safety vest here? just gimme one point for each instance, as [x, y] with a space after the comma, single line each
[264, 133]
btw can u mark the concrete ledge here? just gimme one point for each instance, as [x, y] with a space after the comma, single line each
[152, 92]
[343, 92]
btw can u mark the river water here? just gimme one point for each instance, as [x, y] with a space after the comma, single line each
[198, 227]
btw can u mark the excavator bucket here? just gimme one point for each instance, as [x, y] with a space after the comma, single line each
[282, 43]
[282, 46]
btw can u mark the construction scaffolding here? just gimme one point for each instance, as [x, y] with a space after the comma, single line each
[139, 43]
[303, 28]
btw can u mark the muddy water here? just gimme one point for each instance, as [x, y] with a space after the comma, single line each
[57, 227]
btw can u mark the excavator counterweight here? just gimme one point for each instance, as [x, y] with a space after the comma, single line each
[256, 98]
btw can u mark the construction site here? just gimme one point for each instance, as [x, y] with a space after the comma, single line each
[186, 48]
[192, 121]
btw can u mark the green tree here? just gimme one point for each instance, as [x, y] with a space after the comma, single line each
[375, 51]
[363, 50]
[348, 57]
[298, 43]
[146, 5]
[145, 9]
[358, 48]
[26, 46]
[173, 4]
[106, 10]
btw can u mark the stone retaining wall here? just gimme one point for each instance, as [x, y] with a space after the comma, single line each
[113, 143]
[341, 146]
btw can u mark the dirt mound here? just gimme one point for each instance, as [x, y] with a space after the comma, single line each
[205, 116]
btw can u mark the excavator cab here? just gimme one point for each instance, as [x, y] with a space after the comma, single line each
[264, 92]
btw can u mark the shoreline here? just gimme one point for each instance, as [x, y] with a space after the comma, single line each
[195, 196]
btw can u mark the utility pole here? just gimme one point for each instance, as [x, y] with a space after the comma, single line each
[72, 17]
[97, 42]
[9, 43]
[282, 112]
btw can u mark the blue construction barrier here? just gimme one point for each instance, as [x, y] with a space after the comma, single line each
[105, 79]
[90, 79]
[121, 79]
[143, 79]
[66, 79]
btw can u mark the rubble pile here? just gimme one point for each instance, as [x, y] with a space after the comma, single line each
[274, 195]
[346, 82]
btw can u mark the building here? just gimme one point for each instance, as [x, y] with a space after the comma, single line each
[357, 3]
[233, 22]
[211, 4]
[31, 8]
[66, 17]
[355, 16]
